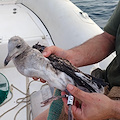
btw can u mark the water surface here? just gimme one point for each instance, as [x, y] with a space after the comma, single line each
[99, 10]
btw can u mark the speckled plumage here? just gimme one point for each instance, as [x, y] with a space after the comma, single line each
[56, 71]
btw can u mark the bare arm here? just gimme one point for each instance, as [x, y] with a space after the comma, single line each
[116, 109]
[92, 51]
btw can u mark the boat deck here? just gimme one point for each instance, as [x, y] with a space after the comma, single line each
[17, 20]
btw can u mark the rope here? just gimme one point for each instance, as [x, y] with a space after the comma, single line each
[19, 100]
[9, 110]
[20, 110]
[18, 89]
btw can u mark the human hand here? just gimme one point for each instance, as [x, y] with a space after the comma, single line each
[94, 106]
[41, 80]
[52, 50]
[56, 51]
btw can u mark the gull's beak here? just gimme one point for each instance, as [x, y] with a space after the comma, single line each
[7, 60]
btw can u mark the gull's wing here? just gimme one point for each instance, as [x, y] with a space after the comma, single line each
[87, 81]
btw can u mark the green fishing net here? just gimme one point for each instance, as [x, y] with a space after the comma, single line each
[4, 88]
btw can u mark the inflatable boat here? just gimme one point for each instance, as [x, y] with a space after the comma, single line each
[49, 22]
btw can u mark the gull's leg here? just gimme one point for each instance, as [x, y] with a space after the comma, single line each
[49, 100]
[70, 103]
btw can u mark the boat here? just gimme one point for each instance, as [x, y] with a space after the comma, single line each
[49, 22]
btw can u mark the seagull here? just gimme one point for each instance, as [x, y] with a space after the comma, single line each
[58, 72]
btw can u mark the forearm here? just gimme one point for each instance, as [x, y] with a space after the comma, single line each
[116, 109]
[92, 51]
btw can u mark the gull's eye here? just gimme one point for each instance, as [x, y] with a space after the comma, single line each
[18, 46]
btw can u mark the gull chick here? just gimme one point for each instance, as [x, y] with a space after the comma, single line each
[56, 71]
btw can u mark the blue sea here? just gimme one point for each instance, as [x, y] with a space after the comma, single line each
[98, 10]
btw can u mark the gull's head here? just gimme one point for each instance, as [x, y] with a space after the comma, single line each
[16, 46]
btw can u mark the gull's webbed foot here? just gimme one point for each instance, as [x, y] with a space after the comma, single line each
[49, 100]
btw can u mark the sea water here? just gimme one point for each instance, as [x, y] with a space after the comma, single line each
[98, 10]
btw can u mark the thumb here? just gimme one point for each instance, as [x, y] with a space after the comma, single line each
[48, 51]
[76, 92]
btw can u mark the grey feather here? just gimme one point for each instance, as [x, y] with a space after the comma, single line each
[56, 71]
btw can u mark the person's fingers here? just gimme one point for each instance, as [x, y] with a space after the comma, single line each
[54, 50]
[76, 92]
[77, 104]
[76, 112]
[48, 51]
[43, 81]
[35, 78]
[65, 103]
[64, 99]
[63, 93]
